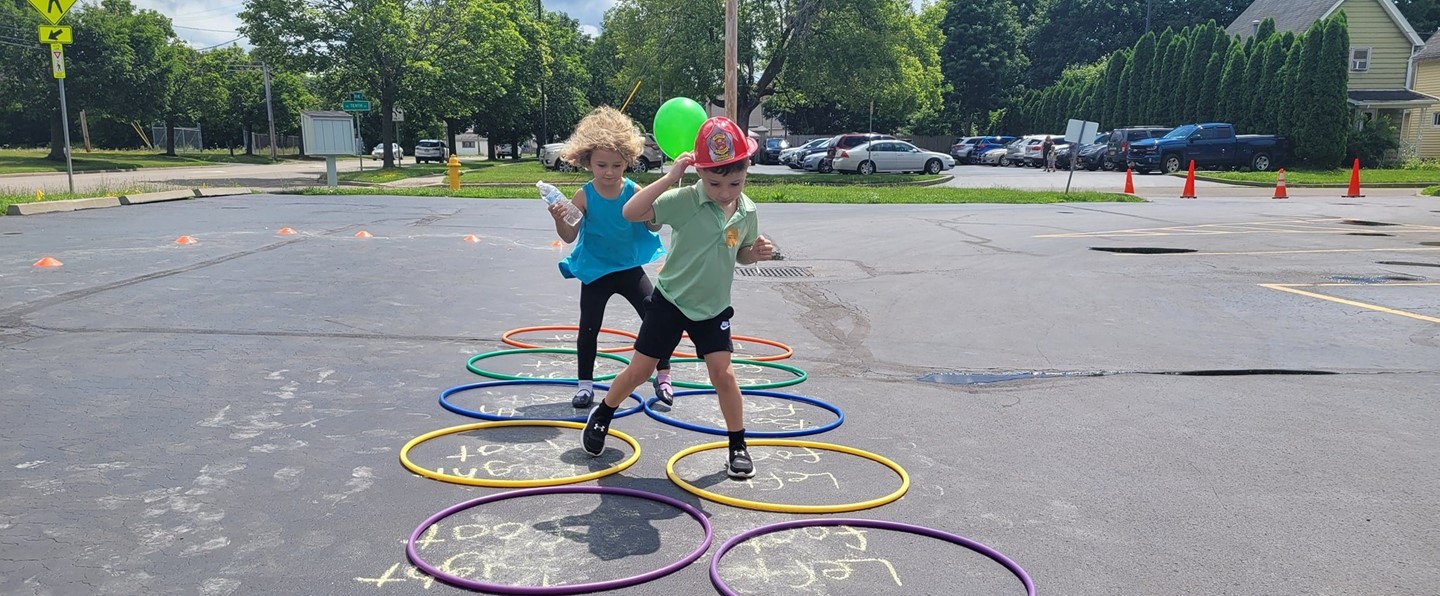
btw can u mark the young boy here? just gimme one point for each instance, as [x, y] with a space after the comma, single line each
[713, 226]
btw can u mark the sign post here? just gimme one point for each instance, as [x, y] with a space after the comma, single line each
[356, 105]
[56, 36]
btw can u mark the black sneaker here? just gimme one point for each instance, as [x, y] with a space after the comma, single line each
[739, 465]
[583, 398]
[665, 393]
[596, 427]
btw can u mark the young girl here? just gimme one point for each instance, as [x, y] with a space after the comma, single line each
[610, 251]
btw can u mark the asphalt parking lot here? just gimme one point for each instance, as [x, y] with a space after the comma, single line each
[1239, 401]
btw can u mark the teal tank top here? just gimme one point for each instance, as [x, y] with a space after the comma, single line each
[607, 242]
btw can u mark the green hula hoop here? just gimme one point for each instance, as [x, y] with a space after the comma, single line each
[470, 364]
[800, 375]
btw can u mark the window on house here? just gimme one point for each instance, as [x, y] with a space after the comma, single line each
[1435, 120]
[1359, 59]
[467, 144]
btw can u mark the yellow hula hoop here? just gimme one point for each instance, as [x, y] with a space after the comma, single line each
[492, 483]
[782, 507]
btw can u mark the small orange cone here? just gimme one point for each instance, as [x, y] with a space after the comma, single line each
[286, 231]
[1354, 182]
[1189, 192]
[472, 238]
[557, 244]
[48, 262]
[1280, 186]
[1129, 182]
[185, 240]
[364, 234]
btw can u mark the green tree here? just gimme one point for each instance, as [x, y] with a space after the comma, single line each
[383, 46]
[1137, 102]
[980, 66]
[1424, 15]
[1332, 108]
[1232, 99]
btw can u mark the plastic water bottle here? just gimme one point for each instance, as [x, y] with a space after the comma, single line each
[552, 195]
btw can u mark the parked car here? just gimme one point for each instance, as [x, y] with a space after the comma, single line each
[770, 149]
[890, 156]
[962, 148]
[379, 152]
[994, 156]
[1117, 152]
[854, 139]
[1210, 145]
[1033, 156]
[649, 159]
[798, 155]
[428, 150]
[787, 157]
[986, 144]
[1090, 154]
[817, 162]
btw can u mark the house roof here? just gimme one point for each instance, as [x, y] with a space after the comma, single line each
[1298, 15]
[1392, 98]
[1431, 50]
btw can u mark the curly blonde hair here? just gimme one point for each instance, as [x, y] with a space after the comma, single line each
[603, 128]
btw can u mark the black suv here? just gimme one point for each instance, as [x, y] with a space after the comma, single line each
[1120, 139]
[770, 149]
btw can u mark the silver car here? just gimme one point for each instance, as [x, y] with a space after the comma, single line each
[886, 155]
[649, 159]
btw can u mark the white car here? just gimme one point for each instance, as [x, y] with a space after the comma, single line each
[431, 150]
[649, 159]
[817, 162]
[887, 155]
[379, 152]
[993, 157]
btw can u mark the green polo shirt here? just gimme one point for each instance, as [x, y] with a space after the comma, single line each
[703, 244]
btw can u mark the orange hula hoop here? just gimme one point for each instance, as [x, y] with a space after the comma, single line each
[787, 351]
[505, 337]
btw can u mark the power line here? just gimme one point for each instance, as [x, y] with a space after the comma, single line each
[219, 44]
[199, 29]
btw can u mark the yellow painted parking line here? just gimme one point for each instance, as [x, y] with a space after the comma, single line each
[1386, 284]
[1374, 307]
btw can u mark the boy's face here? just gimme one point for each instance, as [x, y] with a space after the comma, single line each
[723, 189]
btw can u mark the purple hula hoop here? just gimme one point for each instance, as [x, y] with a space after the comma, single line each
[454, 580]
[864, 523]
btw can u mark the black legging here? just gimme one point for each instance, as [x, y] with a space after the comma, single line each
[635, 286]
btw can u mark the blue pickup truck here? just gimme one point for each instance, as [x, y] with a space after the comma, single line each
[1212, 145]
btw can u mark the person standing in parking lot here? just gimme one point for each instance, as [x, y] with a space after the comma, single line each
[610, 251]
[1047, 153]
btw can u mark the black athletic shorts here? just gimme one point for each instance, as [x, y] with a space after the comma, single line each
[663, 324]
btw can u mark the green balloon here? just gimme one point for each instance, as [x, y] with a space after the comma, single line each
[676, 125]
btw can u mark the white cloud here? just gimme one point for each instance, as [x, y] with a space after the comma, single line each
[590, 30]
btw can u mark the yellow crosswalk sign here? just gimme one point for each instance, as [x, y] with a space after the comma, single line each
[53, 10]
[56, 34]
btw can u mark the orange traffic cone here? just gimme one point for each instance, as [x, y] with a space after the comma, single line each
[1189, 192]
[472, 238]
[364, 234]
[185, 240]
[1280, 186]
[286, 231]
[557, 244]
[1354, 182]
[48, 262]
[1129, 182]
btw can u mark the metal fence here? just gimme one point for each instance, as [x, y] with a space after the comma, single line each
[186, 139]
[286, 145]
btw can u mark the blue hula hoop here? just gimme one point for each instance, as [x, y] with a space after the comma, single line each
[773, 434]
[445, 400]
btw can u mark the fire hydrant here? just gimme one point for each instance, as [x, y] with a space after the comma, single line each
[454, 172]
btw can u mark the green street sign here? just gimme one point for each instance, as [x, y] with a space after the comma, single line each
[355, 106]
[357, 96]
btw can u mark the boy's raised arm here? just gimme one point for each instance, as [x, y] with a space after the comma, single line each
[641, 207]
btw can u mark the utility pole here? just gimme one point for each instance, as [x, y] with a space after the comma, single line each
[1149, 4]
[732, 44]
[269, 111]
[544, 111]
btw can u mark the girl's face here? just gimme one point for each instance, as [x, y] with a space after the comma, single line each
[608, 166]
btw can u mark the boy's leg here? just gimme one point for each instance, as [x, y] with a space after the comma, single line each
[636, 291]
[659, 334]
[712, 342]
[593, 298]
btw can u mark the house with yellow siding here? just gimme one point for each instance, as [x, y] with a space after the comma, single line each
[1382, 79]
[1424, 132]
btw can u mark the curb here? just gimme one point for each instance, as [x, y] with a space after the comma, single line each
[64, 206]
[67, 205]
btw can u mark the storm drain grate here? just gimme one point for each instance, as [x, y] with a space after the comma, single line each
[785, 271]
[1409, 263]
[1372, 279]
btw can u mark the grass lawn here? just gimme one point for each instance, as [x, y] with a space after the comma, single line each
[25, 161]
[792, 194]
[379, 176]
[531, 172]
[1417, 177]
